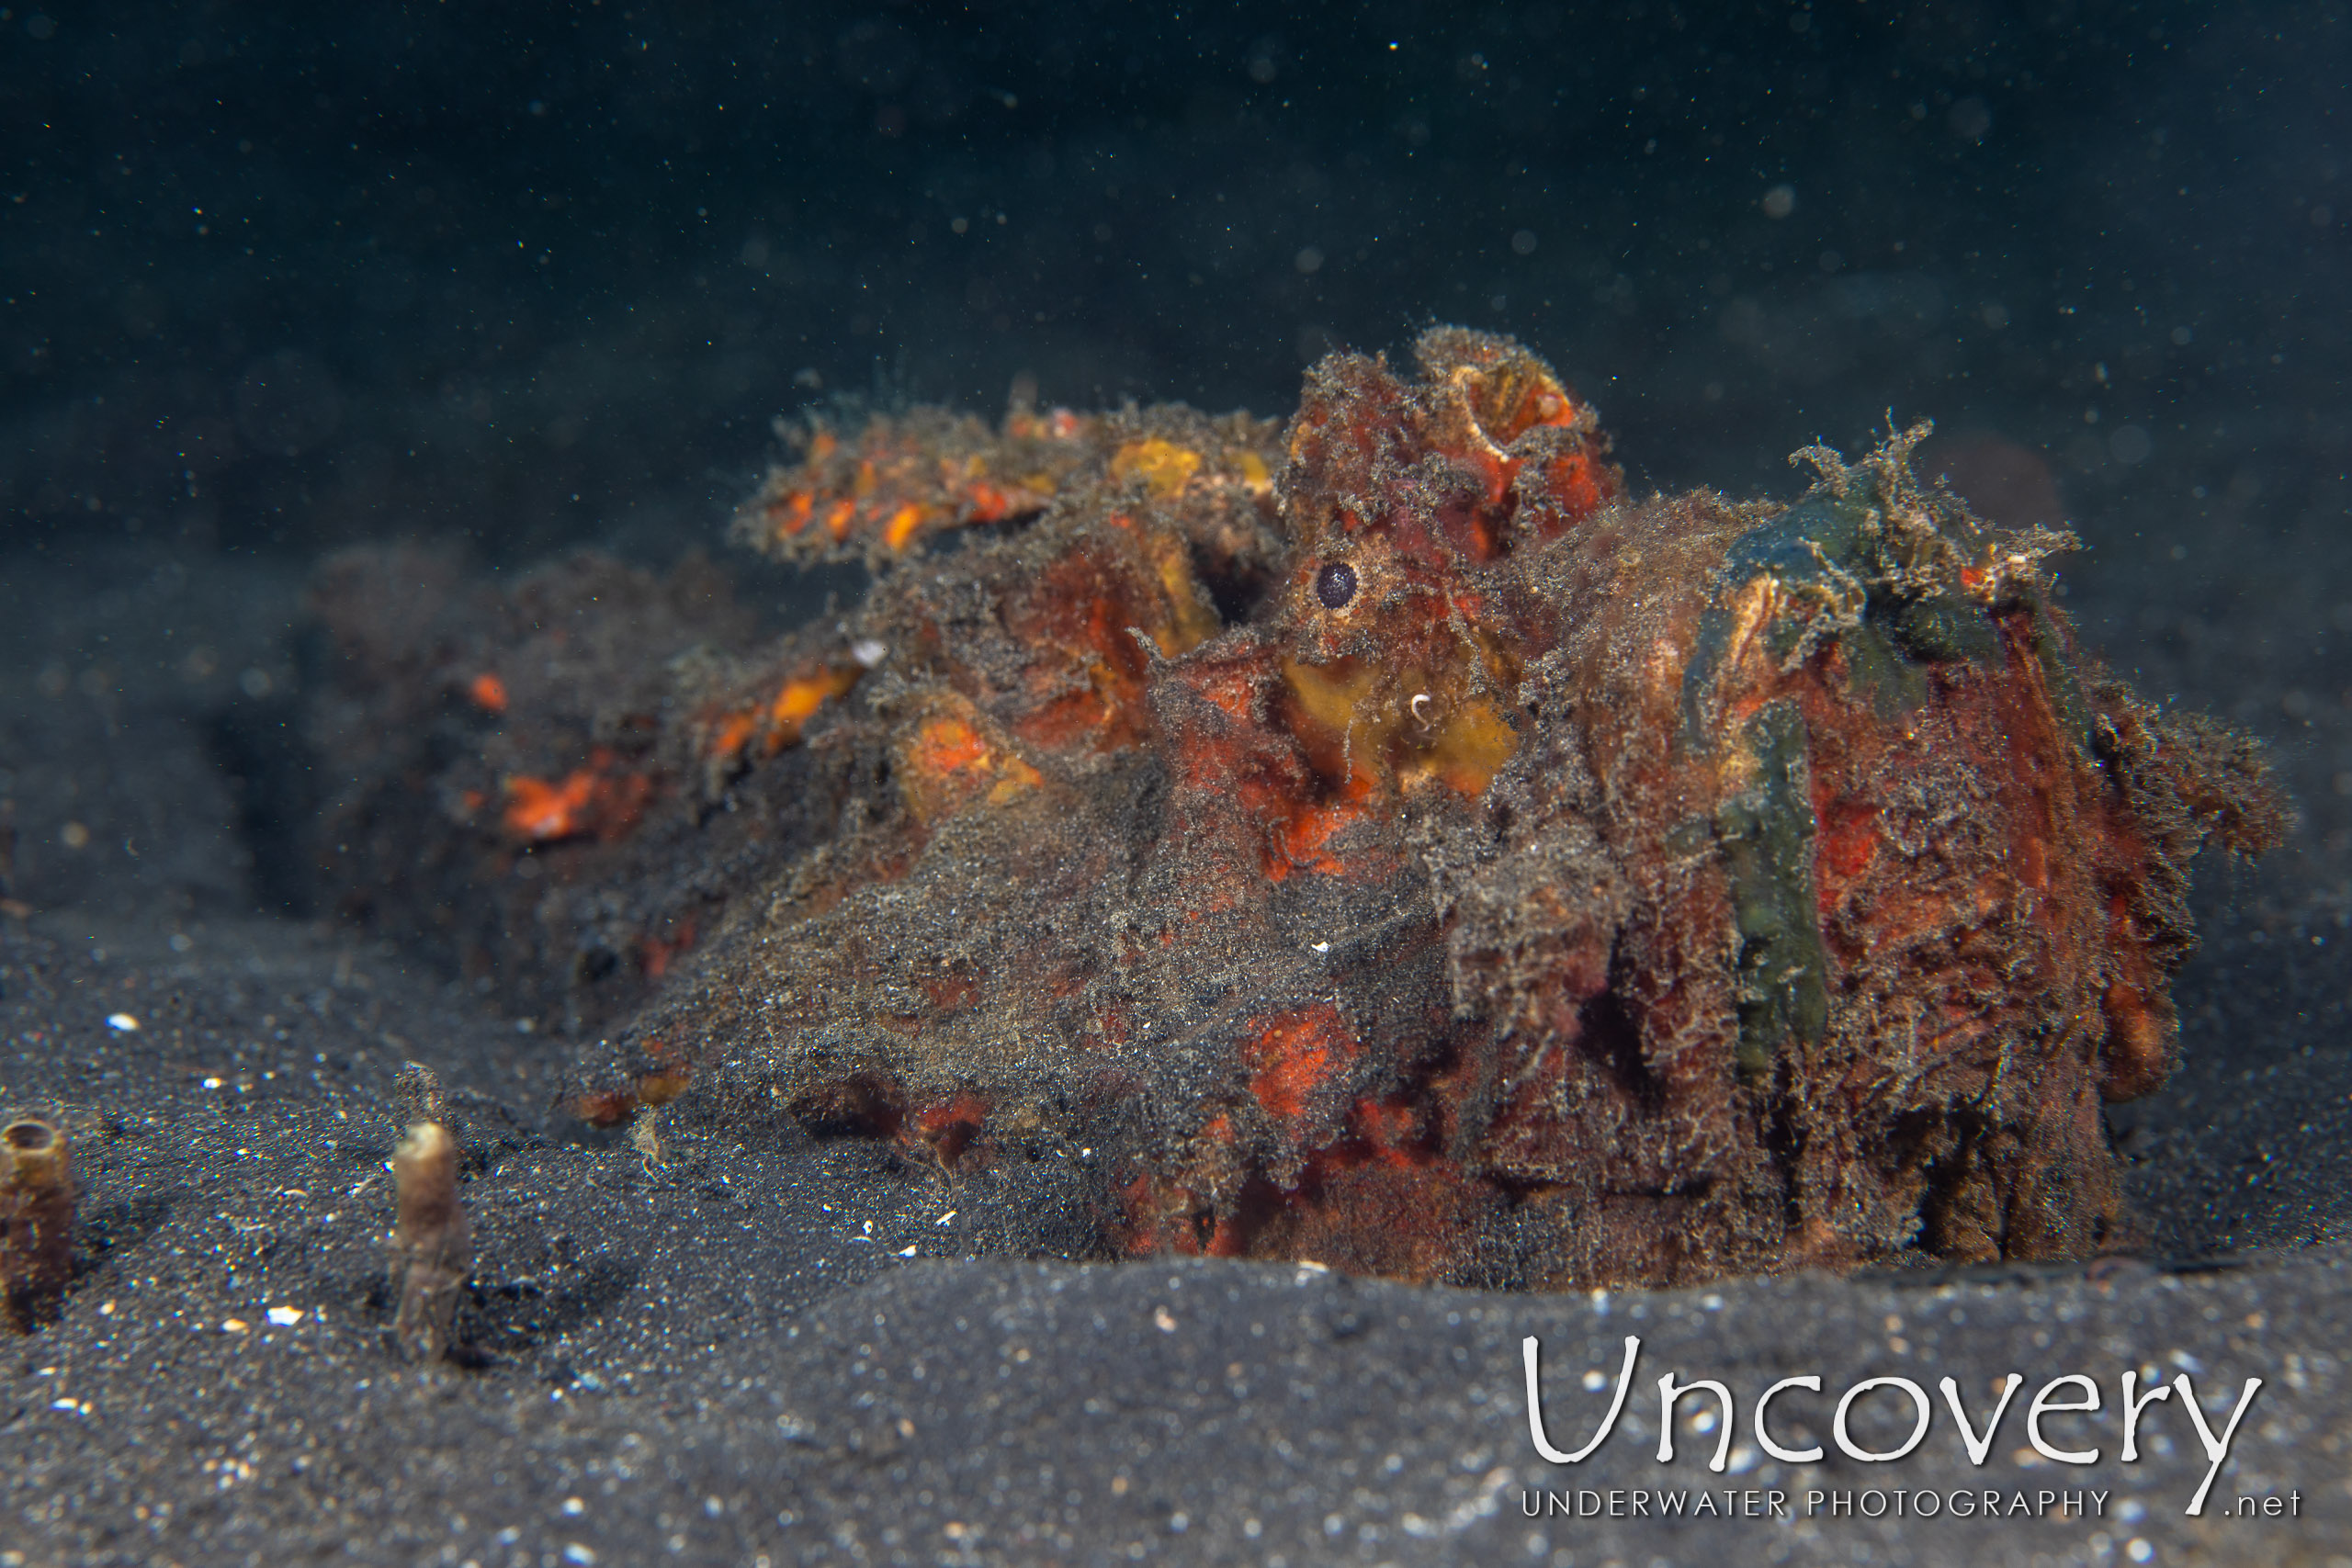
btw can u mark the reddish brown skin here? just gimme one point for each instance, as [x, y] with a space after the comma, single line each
[1402, 933]
[2064, 849]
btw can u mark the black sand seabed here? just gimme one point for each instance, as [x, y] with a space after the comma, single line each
[526, 280]
[763, 1348]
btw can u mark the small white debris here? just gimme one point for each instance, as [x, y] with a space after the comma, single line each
[1164, 1319]
[575, 1552]
[574, 1506]
[286, 1317]
[868, 652]
[212, 1083]
[235, 1325]
[1322, 947]
[906, 1252]
[946, 1217]
[122, 1022]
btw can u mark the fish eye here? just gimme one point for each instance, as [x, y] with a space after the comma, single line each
[1335, 584]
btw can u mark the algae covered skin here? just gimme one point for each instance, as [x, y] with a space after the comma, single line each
[1386, 843]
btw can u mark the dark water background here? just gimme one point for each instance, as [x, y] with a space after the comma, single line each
[528, 278]
[276, 278]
